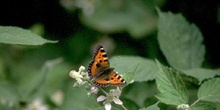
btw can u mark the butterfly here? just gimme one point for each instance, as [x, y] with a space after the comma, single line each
[100, 71]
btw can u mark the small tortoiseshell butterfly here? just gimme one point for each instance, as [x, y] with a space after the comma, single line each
[100, 71]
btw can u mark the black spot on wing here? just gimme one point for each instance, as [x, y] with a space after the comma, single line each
[119, 77]
[105, 55]
[122, 80]
[98, 47]
[107, 79]
[102, 50]
[98, 65]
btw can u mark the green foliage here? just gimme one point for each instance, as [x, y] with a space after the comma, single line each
[16, 35]
[130, 103]
[74, 100]
[171, 87]
[144, 69]
[115, 16]
[29, 90]
[8, 92]
[182, 46]
[28, 74]
[180, 42]
[204, 106]
[209, 90]
[24, 91]
[152, 107]
[201, 73]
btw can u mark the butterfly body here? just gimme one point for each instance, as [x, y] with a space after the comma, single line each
[100, 71]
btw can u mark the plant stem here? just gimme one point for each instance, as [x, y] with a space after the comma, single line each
[194, 102]
[124, 107]
[103, 91]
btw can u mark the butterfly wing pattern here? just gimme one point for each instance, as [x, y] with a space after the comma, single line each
[100, 71]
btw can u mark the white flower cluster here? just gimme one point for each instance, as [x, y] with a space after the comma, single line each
[79, 76]
[82, 78]
[113, 95]
[183, 107]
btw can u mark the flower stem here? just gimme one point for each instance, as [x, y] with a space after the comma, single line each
[103, 91]
[194, 102]
[124, 107]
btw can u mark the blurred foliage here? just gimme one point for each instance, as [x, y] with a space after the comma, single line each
[135, 17]
[34, 71]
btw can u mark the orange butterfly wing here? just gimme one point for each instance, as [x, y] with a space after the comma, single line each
[100, 59]
[100, 56]
[92, 68]
[100, 72]
[114, 79]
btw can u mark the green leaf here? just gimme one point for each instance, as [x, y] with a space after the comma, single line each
[128, 103]
[217, 106]
[201, 73]
[152, 107]
[2, 74]
[204, 106]
[98, 108]
[129, 76]
[16, 35]
[32, 86]
[8, 93]
[142, 93]
[180, 42]
[77, 99]
[171, 87]
[135, 17]
[56, 78]
[210, 90]
[145, 69]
